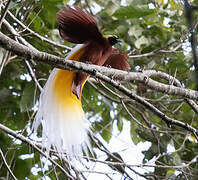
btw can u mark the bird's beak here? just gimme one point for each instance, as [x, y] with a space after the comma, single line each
[119, 41]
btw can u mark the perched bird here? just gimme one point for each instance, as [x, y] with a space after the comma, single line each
[60, 112]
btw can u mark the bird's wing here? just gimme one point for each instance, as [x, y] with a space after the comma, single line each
[118, 60]
[77, 26]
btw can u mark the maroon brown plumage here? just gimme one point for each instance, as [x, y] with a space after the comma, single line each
[118, 60]
[77, 26]
[80, 27]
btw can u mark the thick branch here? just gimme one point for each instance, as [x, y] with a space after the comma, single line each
[152, 108]
[30, 53]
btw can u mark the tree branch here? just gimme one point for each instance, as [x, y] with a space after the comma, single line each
[152, 108]
[189, 10]
[30, 53]
[7, 166]
[36, 34]
[4, 12]
[18, 37]
[37, 147]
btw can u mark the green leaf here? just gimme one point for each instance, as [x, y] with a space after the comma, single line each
[65, 2]
[27, 98]
[141, 41]
[151, 152]
[111, 7]
[120, 123]
[133, 133]
[130, 12]
[176, 159]
[50, 8]
[136, 31]
[4, 94]
[107, 133]
[37, 24]
[170, 174]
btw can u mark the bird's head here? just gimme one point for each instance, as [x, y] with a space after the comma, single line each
[113, 39]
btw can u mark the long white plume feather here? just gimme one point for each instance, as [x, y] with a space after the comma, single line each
[64, 126]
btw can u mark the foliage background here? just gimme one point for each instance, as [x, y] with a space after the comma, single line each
[155, 35]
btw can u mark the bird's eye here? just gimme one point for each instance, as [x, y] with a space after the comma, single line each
[113, 40]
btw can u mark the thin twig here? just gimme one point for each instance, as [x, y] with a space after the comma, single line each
[17, 36]
[4, 60]
[32, 74]
[147, 164]
[103, 93]
[7, 166]
[4, 12]
[189, 10]
[154, 52]
[37, 147]
[111, 155]
[36, 34]
[87, 2]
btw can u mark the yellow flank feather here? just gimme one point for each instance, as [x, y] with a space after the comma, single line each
[63, 82]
